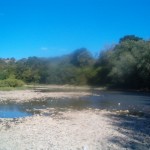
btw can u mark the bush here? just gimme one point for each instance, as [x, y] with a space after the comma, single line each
[11, 83]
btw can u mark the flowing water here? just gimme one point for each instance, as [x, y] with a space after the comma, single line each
[136, 103]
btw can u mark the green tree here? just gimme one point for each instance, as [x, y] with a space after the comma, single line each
[82, 58]
[126, 65]
[130, 38]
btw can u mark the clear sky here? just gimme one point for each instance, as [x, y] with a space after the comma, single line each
[48, 28]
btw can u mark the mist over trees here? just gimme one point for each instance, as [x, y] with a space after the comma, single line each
[126, 65]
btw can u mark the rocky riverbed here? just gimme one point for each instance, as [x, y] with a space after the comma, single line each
[87, 129]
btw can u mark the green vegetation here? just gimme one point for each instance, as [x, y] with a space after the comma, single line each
[125, 65]
[11, 83]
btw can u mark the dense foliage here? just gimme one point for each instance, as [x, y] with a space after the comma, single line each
[70, 69]
[126, 65]
[11, 83]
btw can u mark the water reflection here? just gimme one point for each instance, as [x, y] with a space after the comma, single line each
[13, 110]
[135, 103]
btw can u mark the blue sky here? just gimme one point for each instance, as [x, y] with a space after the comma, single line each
[48, 28]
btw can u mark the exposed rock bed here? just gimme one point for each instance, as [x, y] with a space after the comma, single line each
[27, 95]
[72, 130]
[90, 129]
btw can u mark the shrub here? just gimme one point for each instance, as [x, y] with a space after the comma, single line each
[11, 83]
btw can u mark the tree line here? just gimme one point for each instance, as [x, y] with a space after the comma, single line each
[124, 65]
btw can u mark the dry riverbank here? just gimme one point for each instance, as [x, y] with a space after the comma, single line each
[27, 95]
[89, 129]
[75, 130]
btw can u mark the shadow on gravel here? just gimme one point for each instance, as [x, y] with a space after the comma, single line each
[135, 130]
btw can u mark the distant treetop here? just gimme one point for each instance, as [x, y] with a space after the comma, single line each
[130, 37]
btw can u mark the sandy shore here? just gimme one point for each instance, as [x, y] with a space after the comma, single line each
[71, 130]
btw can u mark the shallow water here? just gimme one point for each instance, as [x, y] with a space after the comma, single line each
[13, 110]
[136, 103]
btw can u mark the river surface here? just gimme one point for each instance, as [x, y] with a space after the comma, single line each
[137, 104]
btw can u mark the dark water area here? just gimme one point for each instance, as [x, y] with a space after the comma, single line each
[137, 104]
